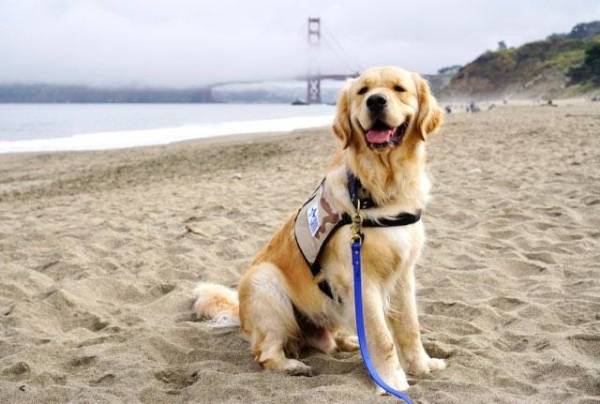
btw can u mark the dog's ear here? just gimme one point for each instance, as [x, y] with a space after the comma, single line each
[430, 116]
[341, 123]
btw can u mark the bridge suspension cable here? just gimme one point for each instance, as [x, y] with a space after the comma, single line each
[340, 52]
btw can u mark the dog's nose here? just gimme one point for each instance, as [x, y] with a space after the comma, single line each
[376, 103]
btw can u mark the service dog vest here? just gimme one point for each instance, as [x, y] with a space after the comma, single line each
[315, 222]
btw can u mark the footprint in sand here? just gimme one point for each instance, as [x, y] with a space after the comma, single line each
[543, 225]
[519, 269]
[506, 303]
[82, 361]
[71, 316]
[503, 234]
[104, 380]
[453, 309]
[544, 257]
[178, 378]
[586, 344]
[512, 343]
[16, 370]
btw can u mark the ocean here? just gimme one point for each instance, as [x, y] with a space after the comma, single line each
[53, 127]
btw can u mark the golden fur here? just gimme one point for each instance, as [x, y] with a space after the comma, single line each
[279, 279]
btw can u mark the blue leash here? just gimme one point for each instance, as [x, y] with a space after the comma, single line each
[360, 325]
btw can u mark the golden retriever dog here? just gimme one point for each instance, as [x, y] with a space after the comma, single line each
[383, 120]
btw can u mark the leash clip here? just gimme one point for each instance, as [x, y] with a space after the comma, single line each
[357, 221]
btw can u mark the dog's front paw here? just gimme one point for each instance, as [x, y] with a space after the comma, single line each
[423, 365]
[436, 364]
[398, 382]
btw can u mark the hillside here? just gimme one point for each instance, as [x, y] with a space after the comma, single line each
[534, 70]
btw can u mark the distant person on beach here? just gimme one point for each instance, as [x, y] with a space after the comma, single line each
[473, 107]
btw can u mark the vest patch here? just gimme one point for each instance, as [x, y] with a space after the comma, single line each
[312, 212]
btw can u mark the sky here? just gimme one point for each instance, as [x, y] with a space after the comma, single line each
[184, 43]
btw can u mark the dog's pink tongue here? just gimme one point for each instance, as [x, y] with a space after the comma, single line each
[379, 136]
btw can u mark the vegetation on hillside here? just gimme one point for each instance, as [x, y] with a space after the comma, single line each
[589, 70]
[541, 68]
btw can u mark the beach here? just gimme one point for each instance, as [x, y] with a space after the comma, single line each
[100, 252]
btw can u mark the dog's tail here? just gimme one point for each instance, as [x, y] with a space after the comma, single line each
[217, 303]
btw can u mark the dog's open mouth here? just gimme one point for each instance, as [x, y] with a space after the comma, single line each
[381, 135]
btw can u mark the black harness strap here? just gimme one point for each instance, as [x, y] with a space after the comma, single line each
[325, 288]
[402, 219]
[358, 193]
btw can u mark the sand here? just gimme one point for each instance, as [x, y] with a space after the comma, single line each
[100, 251]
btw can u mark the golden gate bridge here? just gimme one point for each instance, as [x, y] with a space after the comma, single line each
[313, 77]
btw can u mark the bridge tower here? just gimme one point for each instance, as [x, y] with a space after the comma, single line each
[313, 80]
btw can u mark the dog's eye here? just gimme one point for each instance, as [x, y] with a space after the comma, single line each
[399, 88]
[363, 90]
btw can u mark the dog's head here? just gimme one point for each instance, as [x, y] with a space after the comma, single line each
[383, 108]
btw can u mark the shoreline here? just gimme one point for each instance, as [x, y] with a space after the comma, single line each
[140, 138]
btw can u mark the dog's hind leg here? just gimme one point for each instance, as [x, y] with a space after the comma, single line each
[267, 317]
